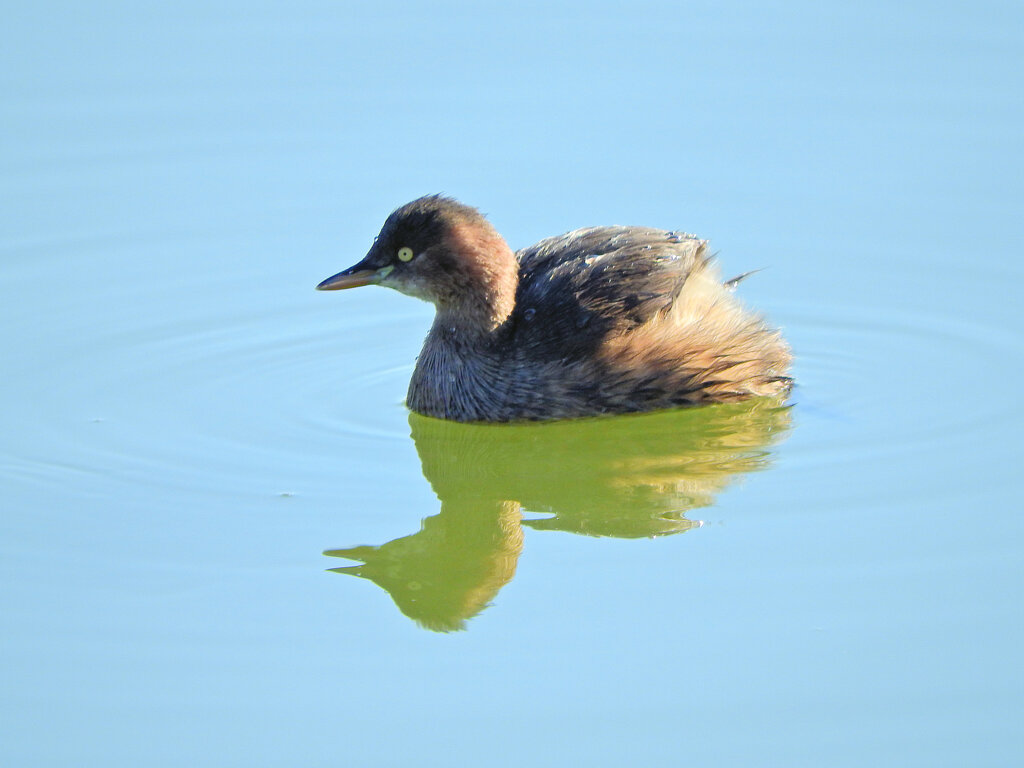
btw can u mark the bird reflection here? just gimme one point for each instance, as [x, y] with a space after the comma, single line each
[627, 477]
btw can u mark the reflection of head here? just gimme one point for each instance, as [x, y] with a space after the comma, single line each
[628, 476]
[451, 569]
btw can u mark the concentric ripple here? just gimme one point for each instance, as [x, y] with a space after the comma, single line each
[191, 375]
[854, 363]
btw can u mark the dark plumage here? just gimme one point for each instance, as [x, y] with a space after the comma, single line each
[599, 320]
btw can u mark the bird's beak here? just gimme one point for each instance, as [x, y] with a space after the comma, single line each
[353, 277]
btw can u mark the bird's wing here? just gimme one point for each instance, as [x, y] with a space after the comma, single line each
[577, 288]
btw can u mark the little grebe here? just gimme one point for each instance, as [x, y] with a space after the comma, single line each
[599, 320]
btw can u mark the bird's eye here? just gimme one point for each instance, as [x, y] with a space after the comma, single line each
[405, 254]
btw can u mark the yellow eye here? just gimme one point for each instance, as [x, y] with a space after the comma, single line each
[405, 254]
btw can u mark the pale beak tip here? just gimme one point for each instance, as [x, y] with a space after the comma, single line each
[350, 278]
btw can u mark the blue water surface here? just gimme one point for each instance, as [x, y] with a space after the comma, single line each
[186, 427]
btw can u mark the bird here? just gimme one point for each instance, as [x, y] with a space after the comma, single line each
[597, 321]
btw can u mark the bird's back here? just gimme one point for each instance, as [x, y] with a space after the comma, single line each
[618, 319]
[576, 289]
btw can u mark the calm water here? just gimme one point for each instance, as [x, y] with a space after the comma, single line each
[225, 542]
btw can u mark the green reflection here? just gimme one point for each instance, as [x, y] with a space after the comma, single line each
[628, 477]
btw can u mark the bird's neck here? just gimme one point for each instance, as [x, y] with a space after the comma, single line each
[485, 292]
[458, 372]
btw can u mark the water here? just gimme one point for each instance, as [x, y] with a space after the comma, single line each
[192, 439]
